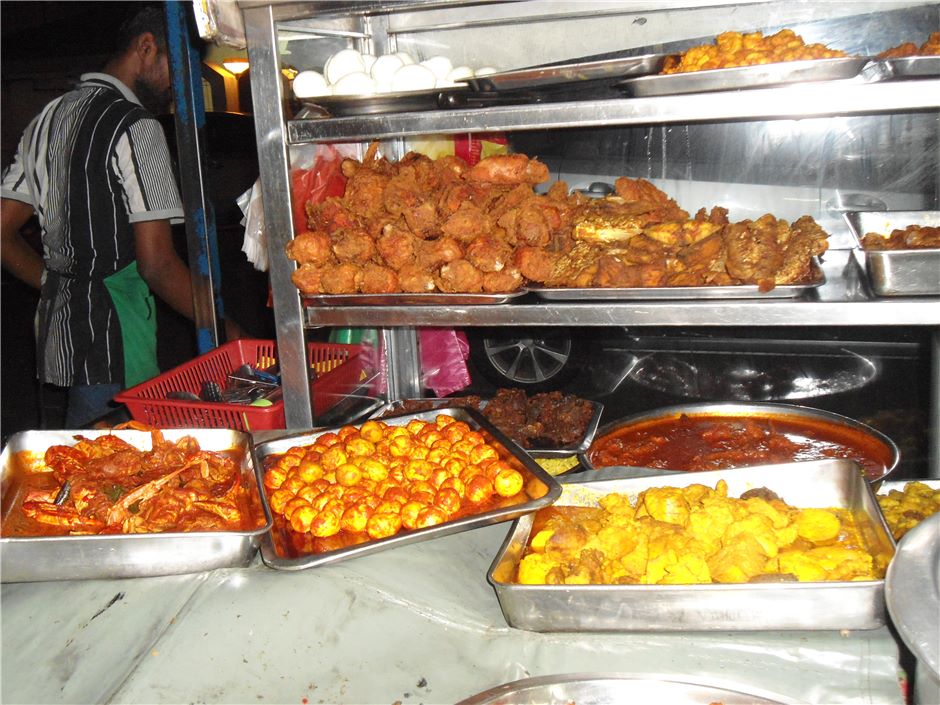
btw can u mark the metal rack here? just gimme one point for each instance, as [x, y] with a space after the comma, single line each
[844, 300]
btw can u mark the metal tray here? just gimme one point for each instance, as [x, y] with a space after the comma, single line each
[752, 409]
[569, 73]
[897, 272]
[402, 102]
[403, 299]
[748, 606]
[274, 558]
[653, 293]
[601, 689]
[911, 66]
[560, 452]
[912, 593]
[127, 555]
[742, 77]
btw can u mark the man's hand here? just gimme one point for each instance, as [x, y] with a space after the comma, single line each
[16, 255]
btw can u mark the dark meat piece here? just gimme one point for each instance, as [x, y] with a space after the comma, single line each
[762, 493]
[546, 420]
[507, 411]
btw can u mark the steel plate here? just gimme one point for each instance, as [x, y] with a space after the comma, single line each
[406, 101]
[753, 409]
[721, 607]
[404, 299]
[569, 73]
[742, 77]
[275, 557]
[913, 272]
[600, 689]
[653, 293]
[912, 593]
[127, 555]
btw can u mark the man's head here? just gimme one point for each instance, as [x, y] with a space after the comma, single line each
[140, 59]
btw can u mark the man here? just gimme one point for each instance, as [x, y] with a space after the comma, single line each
[95, 168]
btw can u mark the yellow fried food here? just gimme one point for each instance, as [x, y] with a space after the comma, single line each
[378, 479]
[904, 509]
[693, 535]
[732, 49]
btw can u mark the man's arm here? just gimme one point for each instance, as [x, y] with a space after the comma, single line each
[16, 255]
[166, 274]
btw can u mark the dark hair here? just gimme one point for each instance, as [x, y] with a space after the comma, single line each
[150, 19]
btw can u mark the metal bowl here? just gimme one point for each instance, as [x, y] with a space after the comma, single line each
[597, 689]
[813, 418]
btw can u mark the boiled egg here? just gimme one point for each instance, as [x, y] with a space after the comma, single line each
[485, 71]
[384, 68]
[459, 74]
[413, 77]
[367, 61]
[405, 57]
[439, 65]
[342, 63]
[356, 83]
[309, 84]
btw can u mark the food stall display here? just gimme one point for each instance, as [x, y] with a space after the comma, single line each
[792, 611]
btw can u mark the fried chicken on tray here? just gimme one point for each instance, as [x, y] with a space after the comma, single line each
[421, 225]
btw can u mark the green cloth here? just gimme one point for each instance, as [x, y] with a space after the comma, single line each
[137, 315]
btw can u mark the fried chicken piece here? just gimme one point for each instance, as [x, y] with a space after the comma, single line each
[402, 195]
[508, 169]
[642, 249]
[340, 279]
[310, 247]
[414, 279]
[353, 245]
[459, 277]
[466, 223]
[753, 255]
[396, 246]
[803, 241]
[535, 263]
[365, 192]
[454, 196]
[717, 215]
[707, 254]
[531, 227]
[614, 272]
[309, 279]
[488, 254]
[506, 280]
[423, 220]
[431, 254]
[610, 219]
[328, 215]
[376, 279]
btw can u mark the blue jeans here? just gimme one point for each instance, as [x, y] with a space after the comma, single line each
[88, 402]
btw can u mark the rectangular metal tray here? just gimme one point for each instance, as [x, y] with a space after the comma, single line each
[27, 559]
[912, 66]
[766, 606]
[654, 293]
[560, 452]
[507, 449]
[742, 77]
[569, 73]
[897, 272]
[404, 299]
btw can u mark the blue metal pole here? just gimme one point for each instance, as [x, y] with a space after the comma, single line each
[202, 243]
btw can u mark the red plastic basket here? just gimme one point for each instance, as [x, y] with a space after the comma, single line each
[338, 368]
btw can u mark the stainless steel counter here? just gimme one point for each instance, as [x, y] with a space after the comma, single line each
[418, 624]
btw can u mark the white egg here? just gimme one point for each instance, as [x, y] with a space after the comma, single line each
[385, 67]
[342, 63]
[405, 57]
[460, 73]
[485, 71]
[413, 77]
[440, 65]
[308, 84]
[367, 61]
[356, 83]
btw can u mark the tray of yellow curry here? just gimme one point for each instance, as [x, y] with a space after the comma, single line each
[800, 546]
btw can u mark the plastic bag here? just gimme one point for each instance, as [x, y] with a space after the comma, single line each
[254, 244]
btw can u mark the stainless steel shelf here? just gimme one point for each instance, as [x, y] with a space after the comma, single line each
[789, 102]
[843, 301]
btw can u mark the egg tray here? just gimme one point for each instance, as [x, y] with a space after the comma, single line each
[725, 607]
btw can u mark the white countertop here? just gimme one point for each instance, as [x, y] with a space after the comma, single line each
[418, 624]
